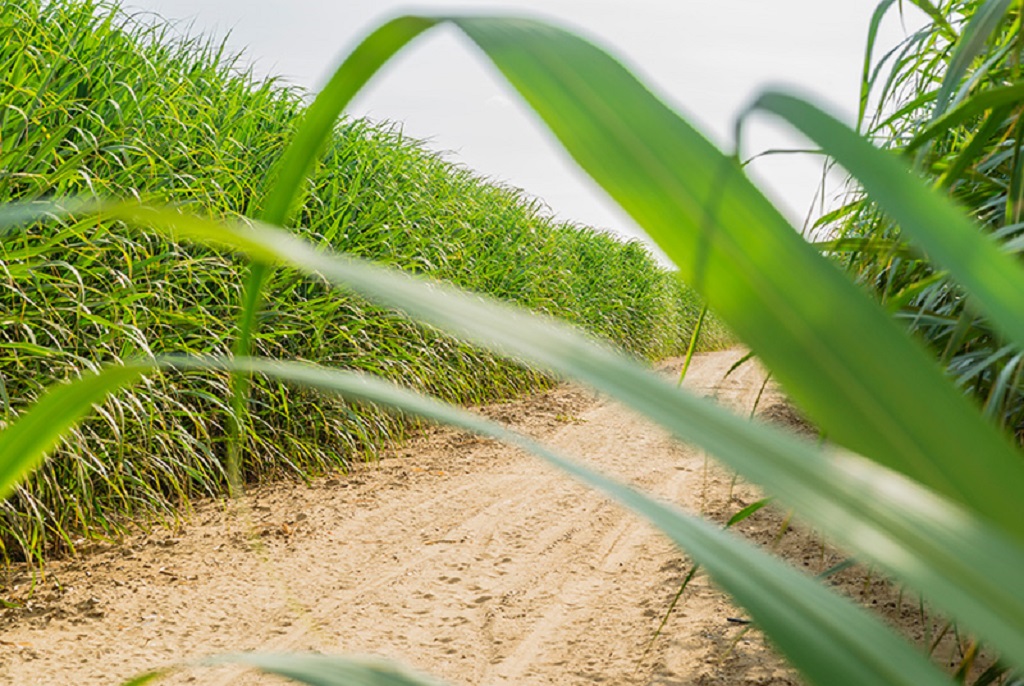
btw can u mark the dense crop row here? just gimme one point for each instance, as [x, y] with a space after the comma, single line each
[92, 103]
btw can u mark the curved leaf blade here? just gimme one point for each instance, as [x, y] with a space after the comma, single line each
[749, 264]
[25, 442]
[866, 80]
[298, 160]
[323, 113]
[857, 375]
[325, 670]
[827, 637]
[878, 516]
[994, 278]
[972, 41]
[831, 505]
[993, 98]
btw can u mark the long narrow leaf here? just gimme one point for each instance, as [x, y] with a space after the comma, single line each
[322, 114]
[747, 262]
[714, 228]
[893, 522]
[324, 670]
[827, 637]
[26, 441]
[300, 157]
[866, 81]
[990, 99]
[936, 15]
[857, 375]
[994, 278]
[983, 24]
[856, 510]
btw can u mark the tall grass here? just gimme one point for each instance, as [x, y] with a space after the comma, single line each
[94, 103]
[951, 106]
[894, 488]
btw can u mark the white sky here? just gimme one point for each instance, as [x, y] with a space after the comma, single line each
[708, 58]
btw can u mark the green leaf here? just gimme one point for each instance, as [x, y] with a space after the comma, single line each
[147, 678]
[323, 670]
[983, 23]
[748, 263]
[993, 278]
[721, 232]
[747, 511]
[994, 98]
[936, 15]
[818, 630]
[978, 147]
[827, 637]
[928, 542]
[322, 115]
[857, 376]
[871, 245]
[24, 443]
[290, 173]
[753, 268]
[866, 81]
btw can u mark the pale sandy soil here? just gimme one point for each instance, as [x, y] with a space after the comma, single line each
[458, 556]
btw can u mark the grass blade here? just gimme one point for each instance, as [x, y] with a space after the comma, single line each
[147, 678]
[866, 80]
[293, 169]
[750, 265]
[24, 443]
[819, 631]
[323, 670]
[929, 219]
[322, 115]
[729, 243]
[983, 24]
[993, 98]
[876, 515]
[877, 393]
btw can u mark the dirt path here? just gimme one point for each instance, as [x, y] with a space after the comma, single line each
[459, 557]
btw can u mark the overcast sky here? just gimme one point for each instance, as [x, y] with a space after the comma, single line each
[706, 57]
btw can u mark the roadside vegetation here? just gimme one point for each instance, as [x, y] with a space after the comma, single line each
[93, 103]
[918, 479]
[952, 109]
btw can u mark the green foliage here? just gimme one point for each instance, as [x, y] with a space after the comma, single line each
[949, 100]
[92, 103]
[734, 247]
[909, 503]
[320, 670]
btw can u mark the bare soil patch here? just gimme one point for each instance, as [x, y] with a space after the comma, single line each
[458, 556]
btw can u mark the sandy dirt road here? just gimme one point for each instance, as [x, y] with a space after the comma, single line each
[459, 557]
